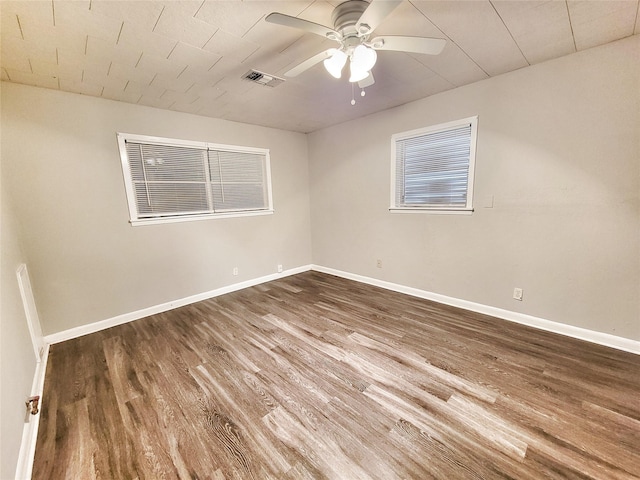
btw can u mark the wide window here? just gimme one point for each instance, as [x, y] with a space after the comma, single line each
[432, 168]
[170, 180]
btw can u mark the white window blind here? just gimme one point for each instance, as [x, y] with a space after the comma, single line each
[173, 180]
[432, 168]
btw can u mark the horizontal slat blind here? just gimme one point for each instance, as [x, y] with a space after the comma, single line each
[432, 170]
[178, 180]
[168, 179]
[237, 180]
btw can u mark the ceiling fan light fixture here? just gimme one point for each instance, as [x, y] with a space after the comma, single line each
[364, 57]
[335, 63]
[354, 21]
[357, 73]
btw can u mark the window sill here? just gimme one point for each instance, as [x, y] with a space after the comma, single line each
[192, 218]
[434, 211]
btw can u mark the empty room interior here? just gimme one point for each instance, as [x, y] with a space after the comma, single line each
[317, 239]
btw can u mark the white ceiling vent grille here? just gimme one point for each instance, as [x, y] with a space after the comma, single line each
[263, 78]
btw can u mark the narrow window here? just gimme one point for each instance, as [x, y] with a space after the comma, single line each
[170, 180]
[432, 168]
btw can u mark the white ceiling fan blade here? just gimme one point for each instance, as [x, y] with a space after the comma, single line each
[367, 82]
[429, 46]
[295, 22]
[376, 12]
[310, 62]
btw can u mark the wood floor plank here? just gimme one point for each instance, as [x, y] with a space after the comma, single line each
[318, 377]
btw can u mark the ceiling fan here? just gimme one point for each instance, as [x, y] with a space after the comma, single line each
[353, 24]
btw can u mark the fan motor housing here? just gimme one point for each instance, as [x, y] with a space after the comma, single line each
[346, 15]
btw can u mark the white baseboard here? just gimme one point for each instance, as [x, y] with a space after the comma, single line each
[592, 336]
[30, 429]
[600, 338]
[145, 312]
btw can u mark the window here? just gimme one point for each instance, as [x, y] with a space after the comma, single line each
[171, 180]
[432, 168]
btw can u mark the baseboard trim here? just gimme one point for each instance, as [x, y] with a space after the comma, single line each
[592, 336]
[145, 312]
[30, 429]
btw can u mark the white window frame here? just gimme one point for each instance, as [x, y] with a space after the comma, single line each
[136, 219]
[439, 209]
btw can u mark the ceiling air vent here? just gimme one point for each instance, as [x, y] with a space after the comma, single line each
[263, 78]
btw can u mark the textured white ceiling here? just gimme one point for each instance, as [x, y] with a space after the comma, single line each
[190, 56]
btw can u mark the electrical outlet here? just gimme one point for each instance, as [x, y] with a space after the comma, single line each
[279, 268]
[379, 263]
[235, 270]
[517, 294]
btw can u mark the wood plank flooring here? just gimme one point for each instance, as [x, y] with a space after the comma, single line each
[314, 377]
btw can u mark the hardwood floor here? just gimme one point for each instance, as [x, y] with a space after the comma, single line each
[314, 376]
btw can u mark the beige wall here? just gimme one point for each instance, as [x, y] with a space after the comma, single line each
[559, 152]
[86, 262]
[17, 359]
